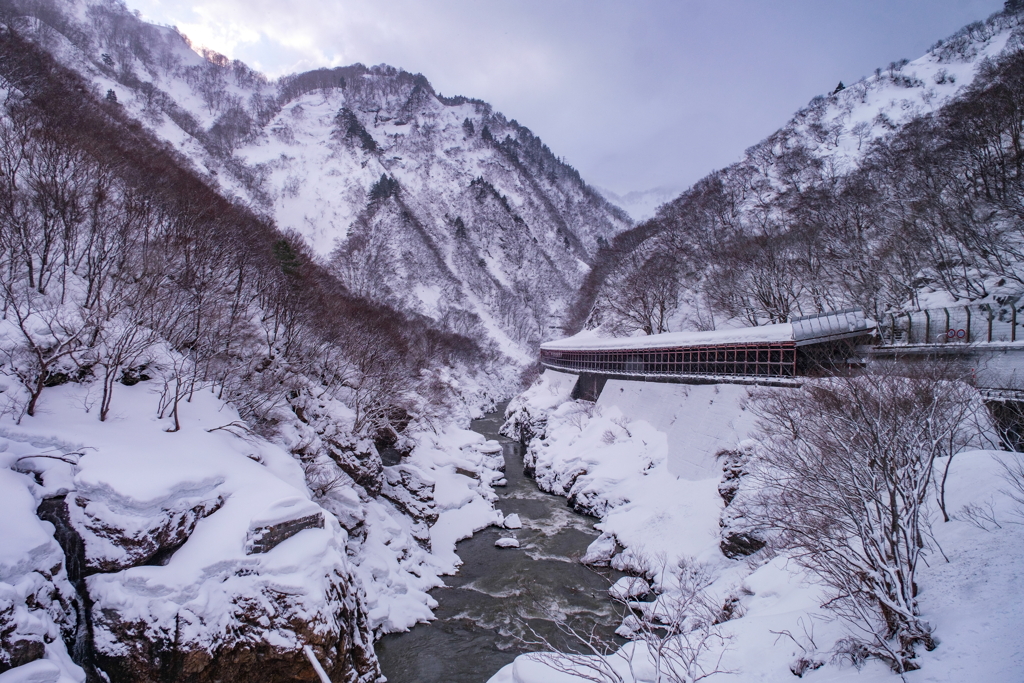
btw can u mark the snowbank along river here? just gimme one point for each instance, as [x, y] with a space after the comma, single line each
[502, 598]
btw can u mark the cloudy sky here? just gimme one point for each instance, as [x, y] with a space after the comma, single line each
[636, 94]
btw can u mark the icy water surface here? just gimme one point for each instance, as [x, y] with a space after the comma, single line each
[488, 608]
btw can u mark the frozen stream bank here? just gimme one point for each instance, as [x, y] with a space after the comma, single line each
[480, 618]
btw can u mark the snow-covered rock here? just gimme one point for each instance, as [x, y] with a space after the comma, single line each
[166, 523]
[600, 552]
[629, 587]
[36, 599]
[513, 522]
[506, 543]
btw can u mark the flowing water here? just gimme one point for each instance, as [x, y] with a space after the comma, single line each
[503, 598]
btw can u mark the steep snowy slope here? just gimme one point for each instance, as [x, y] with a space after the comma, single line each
[875, 195]
[842, 125]
[439, 205]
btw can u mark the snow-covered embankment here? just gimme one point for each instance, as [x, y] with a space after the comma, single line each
[648, 459]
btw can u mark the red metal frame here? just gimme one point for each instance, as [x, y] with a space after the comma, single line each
[758, 359]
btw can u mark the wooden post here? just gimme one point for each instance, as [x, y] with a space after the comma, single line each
[946, 333]
[927, 327]
[989, 322]
[967, 339]
[1013, 322]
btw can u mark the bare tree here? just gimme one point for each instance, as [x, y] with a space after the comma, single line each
[648, 294]
[675, 638]
[48, 335]
[844, 471]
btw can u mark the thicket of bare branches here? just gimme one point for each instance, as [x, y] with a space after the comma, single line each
[676, 638]
[118, 262]
[845, 471]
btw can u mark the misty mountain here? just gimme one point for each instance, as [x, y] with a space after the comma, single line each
[641, 205]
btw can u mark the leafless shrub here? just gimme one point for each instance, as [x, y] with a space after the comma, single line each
[322, 478]
[623, 424]
[809, 658]
[681, 628]
[980, 516]
[588, 661]
[844, 471]
[1013, 474]
[580, 413]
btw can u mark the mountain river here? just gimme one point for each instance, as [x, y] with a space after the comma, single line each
[501, 598]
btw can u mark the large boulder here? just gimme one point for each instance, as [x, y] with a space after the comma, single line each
[119, 534]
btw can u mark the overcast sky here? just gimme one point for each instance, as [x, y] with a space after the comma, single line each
[635, 94]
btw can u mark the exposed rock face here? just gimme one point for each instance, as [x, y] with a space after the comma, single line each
[117, 537]
[263, 644]
[266, 537]
[411, 490]
[243, 612]
[36, 598]
[739, 544]
[30, 608]
[361, 462]
[738, 538]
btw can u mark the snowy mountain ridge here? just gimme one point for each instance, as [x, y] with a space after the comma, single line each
[825, 213]
[437, 205]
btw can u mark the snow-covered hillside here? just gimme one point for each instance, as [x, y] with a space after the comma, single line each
[894, 190]
[438, 205]
[842, 125]
[612, 459]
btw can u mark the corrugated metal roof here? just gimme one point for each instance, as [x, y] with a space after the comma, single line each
[806, 330]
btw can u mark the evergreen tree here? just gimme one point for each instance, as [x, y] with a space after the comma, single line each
[383, 188]
[286, 257]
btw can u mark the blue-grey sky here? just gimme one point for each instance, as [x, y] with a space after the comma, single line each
[635, 94]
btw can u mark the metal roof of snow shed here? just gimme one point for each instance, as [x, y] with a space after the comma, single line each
[802, 331]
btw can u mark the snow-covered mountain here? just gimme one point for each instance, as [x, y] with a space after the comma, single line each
[873, 196]
[438, 205]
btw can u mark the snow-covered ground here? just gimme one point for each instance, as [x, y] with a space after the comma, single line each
[612, 458]
[135, 490]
